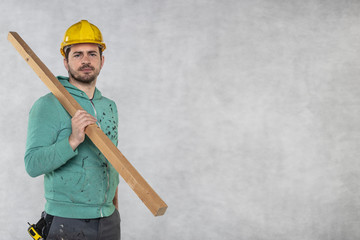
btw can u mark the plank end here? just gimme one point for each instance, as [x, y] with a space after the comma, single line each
[11, 34]
[161, 211]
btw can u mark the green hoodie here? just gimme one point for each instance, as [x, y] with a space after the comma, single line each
[80, 183]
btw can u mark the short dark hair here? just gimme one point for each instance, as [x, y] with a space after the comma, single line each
[68, 48]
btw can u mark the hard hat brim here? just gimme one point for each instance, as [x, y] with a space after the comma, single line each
[69, 44]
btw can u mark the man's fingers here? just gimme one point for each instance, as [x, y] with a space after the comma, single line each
[79, 112]
[79, 122]
[85, 118]
[82, 115]
[84, 124]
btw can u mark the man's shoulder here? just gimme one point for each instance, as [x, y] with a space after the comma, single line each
[47, 101]
[106, 100]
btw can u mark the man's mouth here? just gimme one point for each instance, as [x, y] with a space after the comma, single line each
[86, 68]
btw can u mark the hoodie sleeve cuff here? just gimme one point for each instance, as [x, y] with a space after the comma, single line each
[64, 150]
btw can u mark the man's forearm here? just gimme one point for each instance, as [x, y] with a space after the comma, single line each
[41, 160]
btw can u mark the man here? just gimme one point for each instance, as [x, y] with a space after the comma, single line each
[80, 184]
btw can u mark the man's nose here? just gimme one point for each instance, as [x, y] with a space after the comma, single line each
[85, 59]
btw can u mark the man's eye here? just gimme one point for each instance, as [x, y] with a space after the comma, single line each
[77, 55]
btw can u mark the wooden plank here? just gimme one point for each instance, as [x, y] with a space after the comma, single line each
[144, 191]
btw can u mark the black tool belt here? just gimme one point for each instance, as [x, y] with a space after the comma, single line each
[43, 225]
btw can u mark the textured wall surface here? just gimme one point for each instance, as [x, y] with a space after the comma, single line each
[243, 115]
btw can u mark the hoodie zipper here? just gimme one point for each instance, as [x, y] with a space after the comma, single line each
[107, 166]
[93, 106]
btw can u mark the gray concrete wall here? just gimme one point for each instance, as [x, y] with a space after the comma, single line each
[243, 115]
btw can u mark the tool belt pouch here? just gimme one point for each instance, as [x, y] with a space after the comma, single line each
[44, 224]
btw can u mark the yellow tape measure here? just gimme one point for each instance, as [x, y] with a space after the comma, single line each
[33, 233]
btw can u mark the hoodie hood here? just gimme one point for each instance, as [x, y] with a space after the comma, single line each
[76, 91]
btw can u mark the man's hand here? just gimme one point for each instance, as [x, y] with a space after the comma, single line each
[79, 122]
[115, 200]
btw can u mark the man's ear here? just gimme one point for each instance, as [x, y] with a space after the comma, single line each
[66, 64]
[102, 61]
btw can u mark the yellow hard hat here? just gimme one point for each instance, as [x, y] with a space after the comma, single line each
[82, 32]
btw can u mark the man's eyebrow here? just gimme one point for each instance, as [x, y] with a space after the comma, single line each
[78, 52]
[82, 52]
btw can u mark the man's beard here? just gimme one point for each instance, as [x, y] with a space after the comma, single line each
[87, 78]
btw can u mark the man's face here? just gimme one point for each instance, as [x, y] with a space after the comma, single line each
[84, 62]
